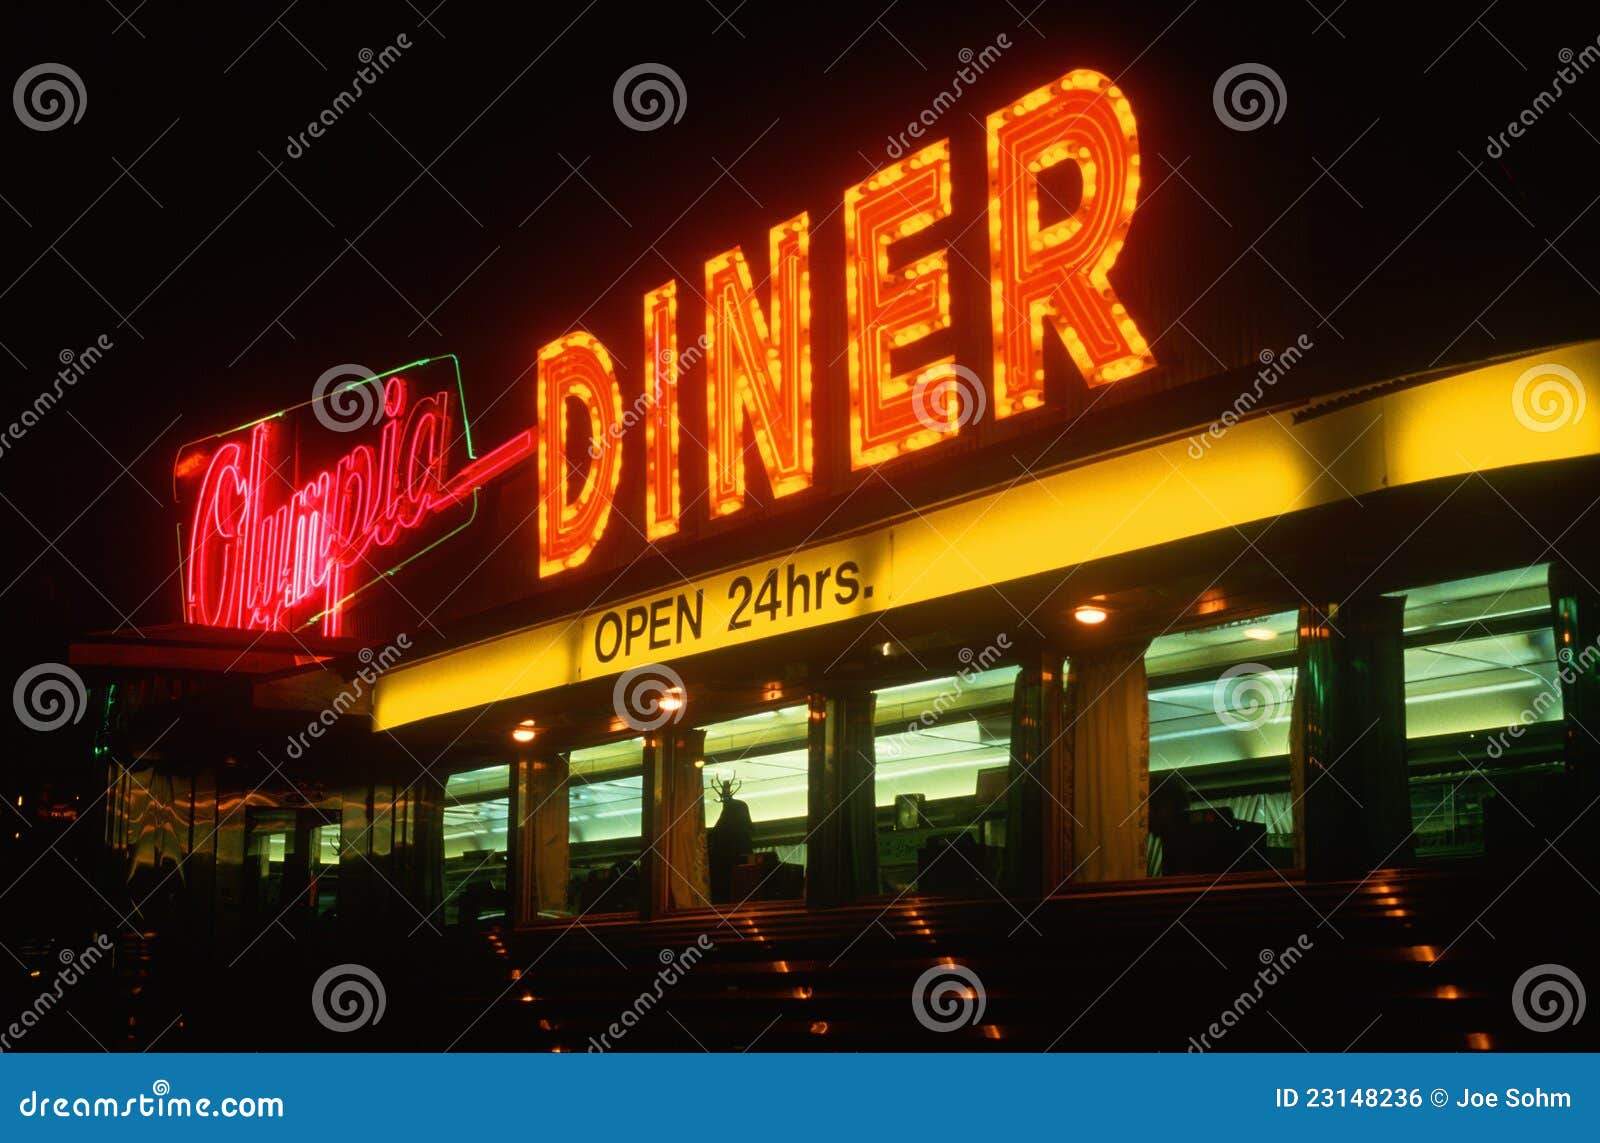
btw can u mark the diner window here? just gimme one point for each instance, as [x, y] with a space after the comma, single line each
[475, 820]
[291, 863]
[1221, 702]
[605, 827]
[941, 782]
[755, 806]
[1483, 706]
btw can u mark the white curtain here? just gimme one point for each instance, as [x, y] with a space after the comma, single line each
[1109, 728]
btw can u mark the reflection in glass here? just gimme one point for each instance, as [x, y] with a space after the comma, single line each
[605, 827]
[1221, 703]
[1480, 658]
[475, 821]
[943, 755]
[755, 781]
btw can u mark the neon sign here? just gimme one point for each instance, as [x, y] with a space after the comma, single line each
[892, 310]
[1045, 279]
[1056, 274]
[264, 555]
[760, 369]
[271, 548]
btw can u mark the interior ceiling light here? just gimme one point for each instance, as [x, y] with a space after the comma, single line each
[1089, 613]
[1261, 633]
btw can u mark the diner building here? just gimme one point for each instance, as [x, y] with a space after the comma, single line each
[944, 577]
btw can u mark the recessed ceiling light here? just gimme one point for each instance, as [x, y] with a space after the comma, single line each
[1089, 613]
[1261, 633]
[524, 731]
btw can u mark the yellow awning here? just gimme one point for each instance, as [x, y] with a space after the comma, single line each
[1524, 411]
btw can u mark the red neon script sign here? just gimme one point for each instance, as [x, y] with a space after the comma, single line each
[272, 549]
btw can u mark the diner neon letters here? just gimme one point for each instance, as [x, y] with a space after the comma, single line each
[1045, 280]
[663, 495]
[759, 368]
[576, 368]
[1055, 275]
[890, 310]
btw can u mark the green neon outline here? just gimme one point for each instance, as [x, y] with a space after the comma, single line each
[378, 577]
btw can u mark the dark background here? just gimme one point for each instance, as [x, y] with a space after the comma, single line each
[229, 276]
